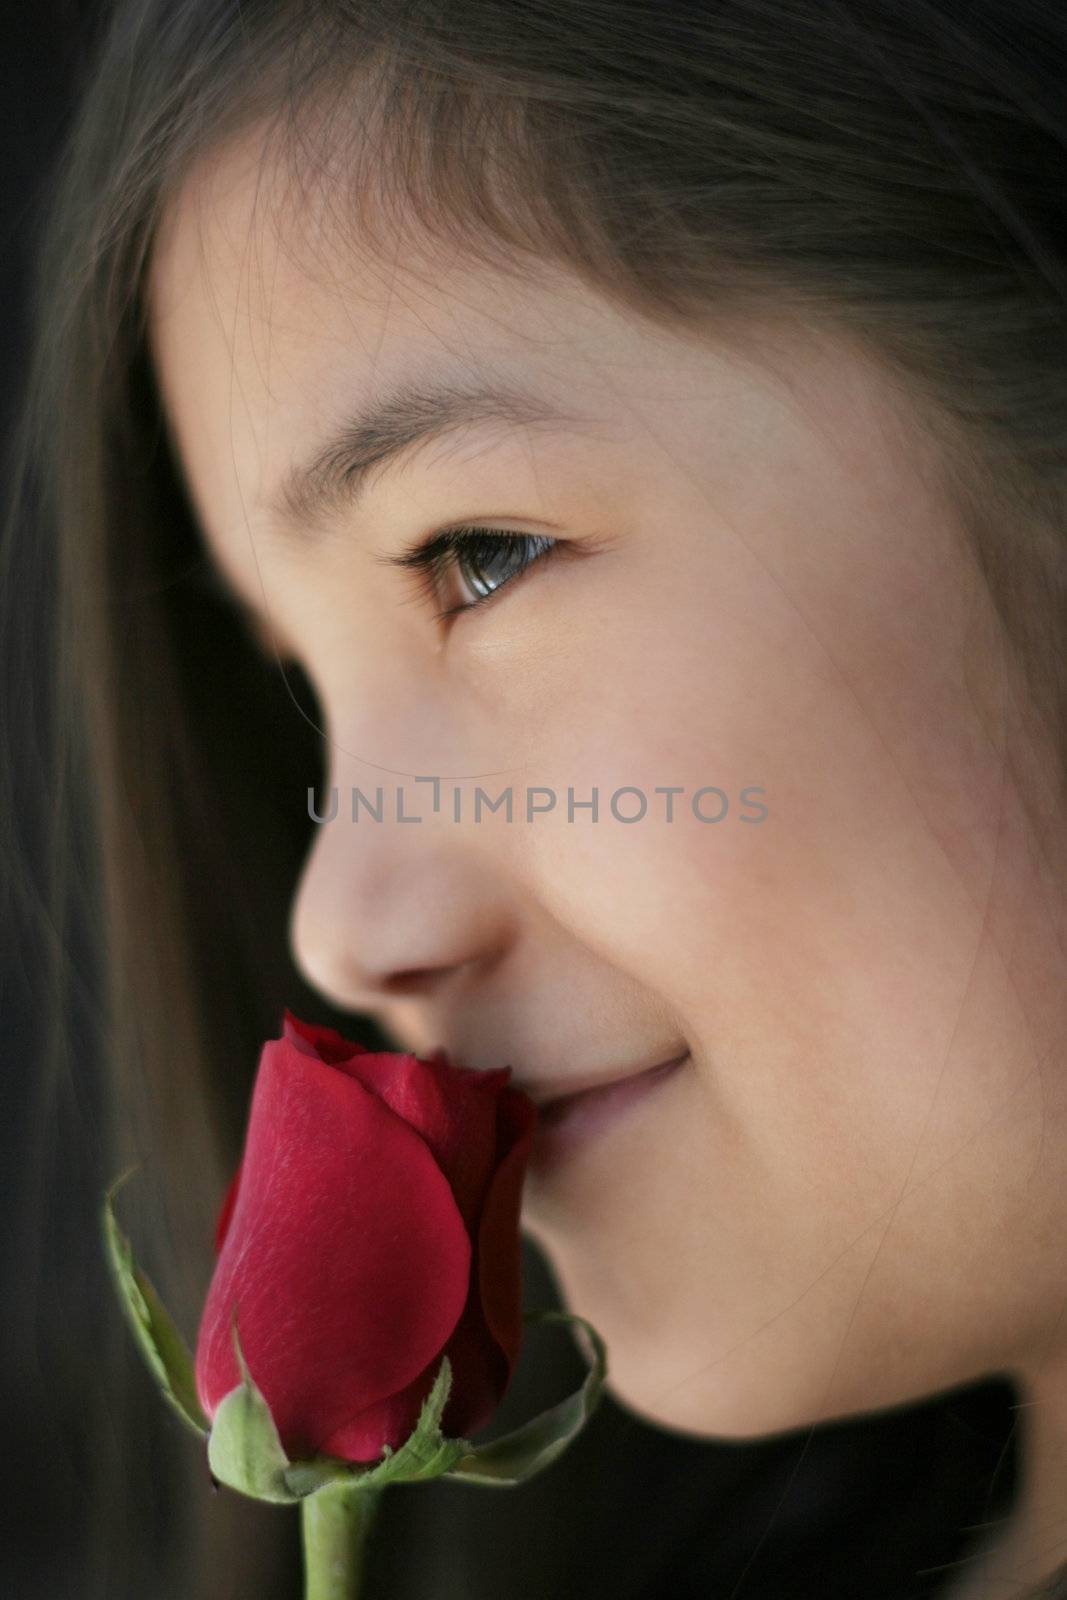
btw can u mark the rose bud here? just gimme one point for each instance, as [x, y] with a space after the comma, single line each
[371, 1228]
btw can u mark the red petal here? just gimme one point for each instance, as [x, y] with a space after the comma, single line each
[499, 1247]
[452, 1108]
[226, 1209]
[479, 1380]
[311, 1039]
[482, 1373]
[346, 1255]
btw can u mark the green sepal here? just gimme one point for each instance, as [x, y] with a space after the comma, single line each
[527, 1450]
[245, 1451]
[426, 1453]
[163, 1347]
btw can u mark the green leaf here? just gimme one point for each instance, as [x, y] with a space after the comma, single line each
[244, 1450]
[529, 1449]
[163, 1347]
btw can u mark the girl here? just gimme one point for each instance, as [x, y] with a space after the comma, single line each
[653, 414]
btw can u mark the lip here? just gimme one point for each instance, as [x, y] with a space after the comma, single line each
[567, 1121]
[546, 1092]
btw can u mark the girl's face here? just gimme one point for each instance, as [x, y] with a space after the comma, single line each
[741, 577]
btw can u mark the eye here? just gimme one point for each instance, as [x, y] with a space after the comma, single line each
[485, 560]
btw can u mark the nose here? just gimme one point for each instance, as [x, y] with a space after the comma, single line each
[387, 911]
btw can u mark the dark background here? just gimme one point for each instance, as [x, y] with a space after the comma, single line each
[629, 1510]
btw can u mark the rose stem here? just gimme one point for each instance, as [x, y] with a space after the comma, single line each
[336, 1522]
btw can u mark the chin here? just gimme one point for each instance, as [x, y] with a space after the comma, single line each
[730, 1416]
[747, 1395]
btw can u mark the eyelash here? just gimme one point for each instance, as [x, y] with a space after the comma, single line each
[435, 557]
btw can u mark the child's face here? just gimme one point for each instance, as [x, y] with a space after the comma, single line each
[852, 1193]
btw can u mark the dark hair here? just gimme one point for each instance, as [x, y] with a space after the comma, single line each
[891, 169]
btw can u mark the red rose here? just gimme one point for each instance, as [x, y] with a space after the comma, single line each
[371, 1228]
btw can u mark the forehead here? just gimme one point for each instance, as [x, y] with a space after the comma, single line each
[238, 241]
[270, 316]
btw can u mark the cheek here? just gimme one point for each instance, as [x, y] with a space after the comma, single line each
[828, 958]
[842, 1167]
[822, 960]
[719, 750]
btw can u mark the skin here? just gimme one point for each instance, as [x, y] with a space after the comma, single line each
[853, 1194]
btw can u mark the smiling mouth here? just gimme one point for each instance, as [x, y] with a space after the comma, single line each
[557, 1109]
[569, 1123]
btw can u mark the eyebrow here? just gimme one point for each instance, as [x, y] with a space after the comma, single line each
[389, 431]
